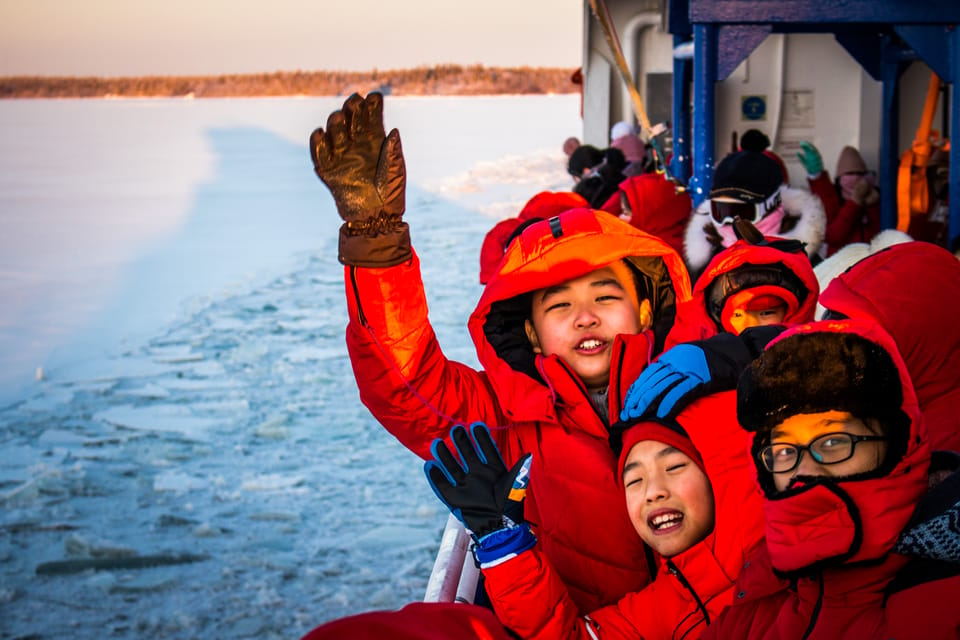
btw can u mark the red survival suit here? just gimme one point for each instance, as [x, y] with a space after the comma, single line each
[670, 606]
[847, 221]
[416, 621]
[695, 322]
[913, 291]
[533, 404]
[656, 207]
[835, 549]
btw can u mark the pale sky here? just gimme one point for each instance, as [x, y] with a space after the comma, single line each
[200, 37]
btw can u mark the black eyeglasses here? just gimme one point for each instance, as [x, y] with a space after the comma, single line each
[830, 448]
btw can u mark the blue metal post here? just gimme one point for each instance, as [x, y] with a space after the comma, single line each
[953, 230]
[704, 95]
[680, 165]
[890, 68]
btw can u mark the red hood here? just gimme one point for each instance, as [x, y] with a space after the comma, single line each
[548, 253]
[696, 321]
[846, 521]
[545, 204]
[657, 207]
[913, 291]
[722, 451]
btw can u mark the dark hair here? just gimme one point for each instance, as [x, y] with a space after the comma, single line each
[583, 157]
[754, 140]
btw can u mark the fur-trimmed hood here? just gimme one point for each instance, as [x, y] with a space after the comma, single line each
[696, 323]
[804, 219]
[822, 521]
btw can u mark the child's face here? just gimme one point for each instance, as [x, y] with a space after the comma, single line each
[669, 497]
[803, 429]
[579, 319]
[745, 318]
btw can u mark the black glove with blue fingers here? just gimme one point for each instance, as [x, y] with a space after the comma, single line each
[482, 493]
[694, 370]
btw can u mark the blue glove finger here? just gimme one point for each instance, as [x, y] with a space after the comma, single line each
[441, 483]
[655, 376]
[637, 404]
[675, 395]
[468, 453]
[652, 376]
[445, 460]
[486, 447]
[686, 362]
[688, 358]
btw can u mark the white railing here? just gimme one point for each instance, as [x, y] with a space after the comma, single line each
[454, 577]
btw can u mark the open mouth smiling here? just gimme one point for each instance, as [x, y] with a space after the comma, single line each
[590, 345]
[665, 521]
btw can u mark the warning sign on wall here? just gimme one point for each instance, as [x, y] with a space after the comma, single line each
[797, 110]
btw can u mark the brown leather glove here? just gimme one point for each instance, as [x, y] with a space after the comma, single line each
[364, 170]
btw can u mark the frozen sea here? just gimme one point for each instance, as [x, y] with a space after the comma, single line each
[175, 385]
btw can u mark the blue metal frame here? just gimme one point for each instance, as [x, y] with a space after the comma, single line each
[881, 35]
[682, 72]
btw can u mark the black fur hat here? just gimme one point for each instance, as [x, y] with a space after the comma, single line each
[817, 372]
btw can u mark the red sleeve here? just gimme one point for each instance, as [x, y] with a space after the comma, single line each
[416, 621]
[840, 228]
[403, 376]
[824, 189]
[613, 204]
[530, 599]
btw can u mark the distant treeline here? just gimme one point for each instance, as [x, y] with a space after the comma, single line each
[436, 80]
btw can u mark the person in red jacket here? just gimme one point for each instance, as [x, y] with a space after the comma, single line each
[651, 203]
[545, 204]
[688, 490]
[852, 202]
[842, 459]
[598, 276]
[913, 291]
[759, 280]
[748, 185]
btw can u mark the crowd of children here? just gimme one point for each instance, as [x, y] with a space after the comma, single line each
[648, 459]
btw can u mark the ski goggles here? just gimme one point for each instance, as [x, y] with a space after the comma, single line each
[726, 212]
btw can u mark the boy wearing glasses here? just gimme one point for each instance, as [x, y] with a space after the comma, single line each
[854, 544]
[748, 185]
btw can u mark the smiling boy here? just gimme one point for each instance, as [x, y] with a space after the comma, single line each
[842, 457]
[598, 306]
[669, 497]
[687, 490]
[547, 389]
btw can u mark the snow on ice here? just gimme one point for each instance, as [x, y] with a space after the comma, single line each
[193, 460]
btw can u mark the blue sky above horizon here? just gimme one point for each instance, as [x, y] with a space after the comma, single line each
[201, 37]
